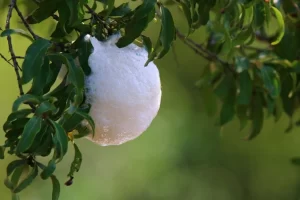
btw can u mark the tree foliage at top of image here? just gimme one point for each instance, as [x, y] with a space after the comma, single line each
[251, 81]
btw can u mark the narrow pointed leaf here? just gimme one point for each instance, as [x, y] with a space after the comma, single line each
[30, 131]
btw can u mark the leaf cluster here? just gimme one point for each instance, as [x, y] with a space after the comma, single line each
[251, 82]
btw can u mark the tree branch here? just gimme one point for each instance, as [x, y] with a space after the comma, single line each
[25, 22]
[10, 46]
[203, 52]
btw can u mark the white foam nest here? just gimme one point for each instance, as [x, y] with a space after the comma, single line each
[124, 95]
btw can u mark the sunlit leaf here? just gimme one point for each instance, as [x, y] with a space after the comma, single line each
[281, 25]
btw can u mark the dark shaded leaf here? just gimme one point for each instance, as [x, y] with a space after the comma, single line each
[167, 34]
[84, 51]
[30, 131]
[147, 43]
[76, 12]
[245, 88]
[257, 116]
[2, 150]
[142, 16]
[242, 114]
[34, 59]
[40, 81]
[46, 9]
[121, 10]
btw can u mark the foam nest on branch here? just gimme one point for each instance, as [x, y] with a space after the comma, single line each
[124, 95]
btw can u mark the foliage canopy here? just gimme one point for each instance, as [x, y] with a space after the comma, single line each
[250, 81]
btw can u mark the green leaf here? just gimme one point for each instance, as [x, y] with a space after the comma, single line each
[45, 107]
[259, 15]
[8, 32]
[55, 188]
[48, 171]
[121, 10]
[34, 59]
[188, 15]
[28, 180]
[281, 25]
[52, 76]
[245, 88]
[167, 34]
[60, 140]
[223, 88]
[15, 178]
[241, 113]
[110, 7]
[26, 98]
[271, 81]
[287, 100]
[75, 166]
[32, 127]
[40, 81]
[89, 119]
[142, 16]
[13, 165]
[62, 28]
[46, 9]
[227, 113]
[257, 116]
[45, 143]
[76, 12]
[75, 73]
[84, 51]
[147, 43]
[16, 115]
[2, 151]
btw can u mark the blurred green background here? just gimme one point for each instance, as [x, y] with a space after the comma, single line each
[183, 155]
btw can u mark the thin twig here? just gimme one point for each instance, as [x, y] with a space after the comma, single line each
[199, 49]
[25, 22]
[10, 46]
[211, 55]
[17, 57]
[5, 59]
